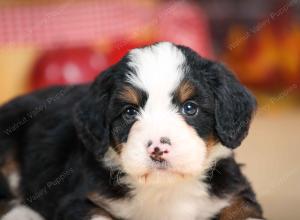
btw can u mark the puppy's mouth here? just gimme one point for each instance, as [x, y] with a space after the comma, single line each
[158, 161]
[159, 164]
[161, 172]
[162, 166]
[161, 177]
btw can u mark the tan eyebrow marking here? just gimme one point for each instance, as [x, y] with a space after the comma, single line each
[185, 91]
[130, 95]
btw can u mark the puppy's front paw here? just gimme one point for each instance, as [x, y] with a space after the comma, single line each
[21, 213]
[101, 218]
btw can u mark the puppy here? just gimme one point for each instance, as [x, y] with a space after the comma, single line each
[150, 139]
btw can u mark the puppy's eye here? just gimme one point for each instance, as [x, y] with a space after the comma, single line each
[190, 108]
[130, 113]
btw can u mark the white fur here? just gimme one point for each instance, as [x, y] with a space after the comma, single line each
[168, 197]
[158, 69]
[14, 181]
[188, 149]
[22, 213]
[187, 199]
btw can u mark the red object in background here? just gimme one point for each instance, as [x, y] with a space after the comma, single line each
[133, 25]
[122, 46]
[67, 66]
[177, 22]
[185, 24]
[268, 59]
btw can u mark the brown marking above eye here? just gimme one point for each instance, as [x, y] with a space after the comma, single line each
[129, 95]
[185, 91]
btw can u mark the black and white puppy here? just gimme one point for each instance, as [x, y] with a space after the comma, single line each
[150, 139]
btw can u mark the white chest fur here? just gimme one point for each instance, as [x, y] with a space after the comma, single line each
[184, 200]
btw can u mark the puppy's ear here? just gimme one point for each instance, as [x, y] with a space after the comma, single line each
[90, 115]
[234, 106]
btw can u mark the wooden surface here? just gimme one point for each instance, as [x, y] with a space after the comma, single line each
[271, 153]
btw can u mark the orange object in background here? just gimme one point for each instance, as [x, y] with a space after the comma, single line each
[15, 67]
[267, 58]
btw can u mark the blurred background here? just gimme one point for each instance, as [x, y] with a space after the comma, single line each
[52, 42]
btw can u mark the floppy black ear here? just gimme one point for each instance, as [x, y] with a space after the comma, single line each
[90, 115]
[234, 106]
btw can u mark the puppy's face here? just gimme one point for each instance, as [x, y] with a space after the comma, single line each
[165, 111]
[165, 119]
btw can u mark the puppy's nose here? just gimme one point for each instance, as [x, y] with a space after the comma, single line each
[158, 155]
[158, 151]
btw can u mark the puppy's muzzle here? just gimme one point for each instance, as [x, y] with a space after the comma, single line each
[158, 151]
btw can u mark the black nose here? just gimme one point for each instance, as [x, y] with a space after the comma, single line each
[165, 140]
[157, 155]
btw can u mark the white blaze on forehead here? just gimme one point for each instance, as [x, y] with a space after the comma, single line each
[158, 70]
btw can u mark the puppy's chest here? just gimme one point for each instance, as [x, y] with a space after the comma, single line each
[187, 201]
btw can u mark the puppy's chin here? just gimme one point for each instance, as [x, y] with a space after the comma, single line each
[185, 159]
[150, 172]
[163, 174]
[162, 177]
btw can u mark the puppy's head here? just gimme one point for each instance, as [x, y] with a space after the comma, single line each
[163, 109]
